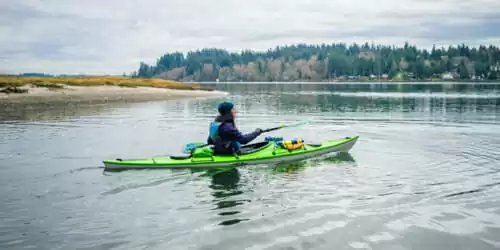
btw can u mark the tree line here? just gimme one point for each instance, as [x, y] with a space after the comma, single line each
[326, 62]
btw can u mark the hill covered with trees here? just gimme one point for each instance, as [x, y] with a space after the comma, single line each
[328, 62]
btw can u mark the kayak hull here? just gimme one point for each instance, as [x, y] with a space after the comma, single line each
[267, 154]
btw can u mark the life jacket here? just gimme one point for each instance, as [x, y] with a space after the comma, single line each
[217, 139]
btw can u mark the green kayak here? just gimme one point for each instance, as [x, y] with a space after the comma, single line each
[258, 153]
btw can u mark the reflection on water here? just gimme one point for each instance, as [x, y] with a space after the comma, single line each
[292, 167]
[391, 102]
[423, 175]
[226, 191]
[344, 101]
[227, 188]
[56, 111]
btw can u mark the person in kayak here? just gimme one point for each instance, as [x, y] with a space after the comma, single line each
[224, 135]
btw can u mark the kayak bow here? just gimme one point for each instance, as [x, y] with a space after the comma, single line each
[258, 153]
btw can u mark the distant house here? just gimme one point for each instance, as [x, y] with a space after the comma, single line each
[367, 55]
[385, 76]
[447, 76]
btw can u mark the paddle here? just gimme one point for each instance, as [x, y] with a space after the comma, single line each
[190, 146]
[286, 126]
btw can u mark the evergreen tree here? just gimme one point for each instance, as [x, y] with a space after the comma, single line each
[325, 61]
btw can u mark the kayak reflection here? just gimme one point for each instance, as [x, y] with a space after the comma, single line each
[226, 187]
[291, 167]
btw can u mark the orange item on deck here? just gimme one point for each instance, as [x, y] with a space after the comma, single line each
[293, 144]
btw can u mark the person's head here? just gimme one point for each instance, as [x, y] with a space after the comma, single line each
[227, 109]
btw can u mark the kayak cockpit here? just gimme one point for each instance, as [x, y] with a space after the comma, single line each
[254, 147]
[244, 150]
[180, 157]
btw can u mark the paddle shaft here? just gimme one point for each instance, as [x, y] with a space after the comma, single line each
[282, 126]
[272, 129]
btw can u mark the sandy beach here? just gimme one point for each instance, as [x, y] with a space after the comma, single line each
[102, 94]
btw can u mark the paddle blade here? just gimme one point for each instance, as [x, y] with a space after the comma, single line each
[188, 147]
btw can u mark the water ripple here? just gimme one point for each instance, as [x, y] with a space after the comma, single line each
[424, 174]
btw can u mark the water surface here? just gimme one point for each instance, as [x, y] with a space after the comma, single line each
[423, 175]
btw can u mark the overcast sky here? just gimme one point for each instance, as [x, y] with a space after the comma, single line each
[113, 36]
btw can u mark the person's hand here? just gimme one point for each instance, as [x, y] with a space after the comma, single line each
[258, 131]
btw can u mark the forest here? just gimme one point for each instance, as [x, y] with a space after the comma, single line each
[328, 62]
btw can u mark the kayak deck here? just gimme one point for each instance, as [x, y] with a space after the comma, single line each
[258, 153]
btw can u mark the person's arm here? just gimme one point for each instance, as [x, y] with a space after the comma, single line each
[236, 135]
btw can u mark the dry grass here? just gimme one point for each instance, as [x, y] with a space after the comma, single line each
[59, 82]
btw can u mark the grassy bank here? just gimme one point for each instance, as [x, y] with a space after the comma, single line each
[96, 89]
[60, 82]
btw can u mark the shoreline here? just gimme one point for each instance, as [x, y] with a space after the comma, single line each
[97, 89]
[396, 82]
[101, 93]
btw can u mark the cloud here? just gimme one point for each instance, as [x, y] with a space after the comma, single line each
[113, 36]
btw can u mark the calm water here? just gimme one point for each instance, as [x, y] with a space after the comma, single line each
[425, 173]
